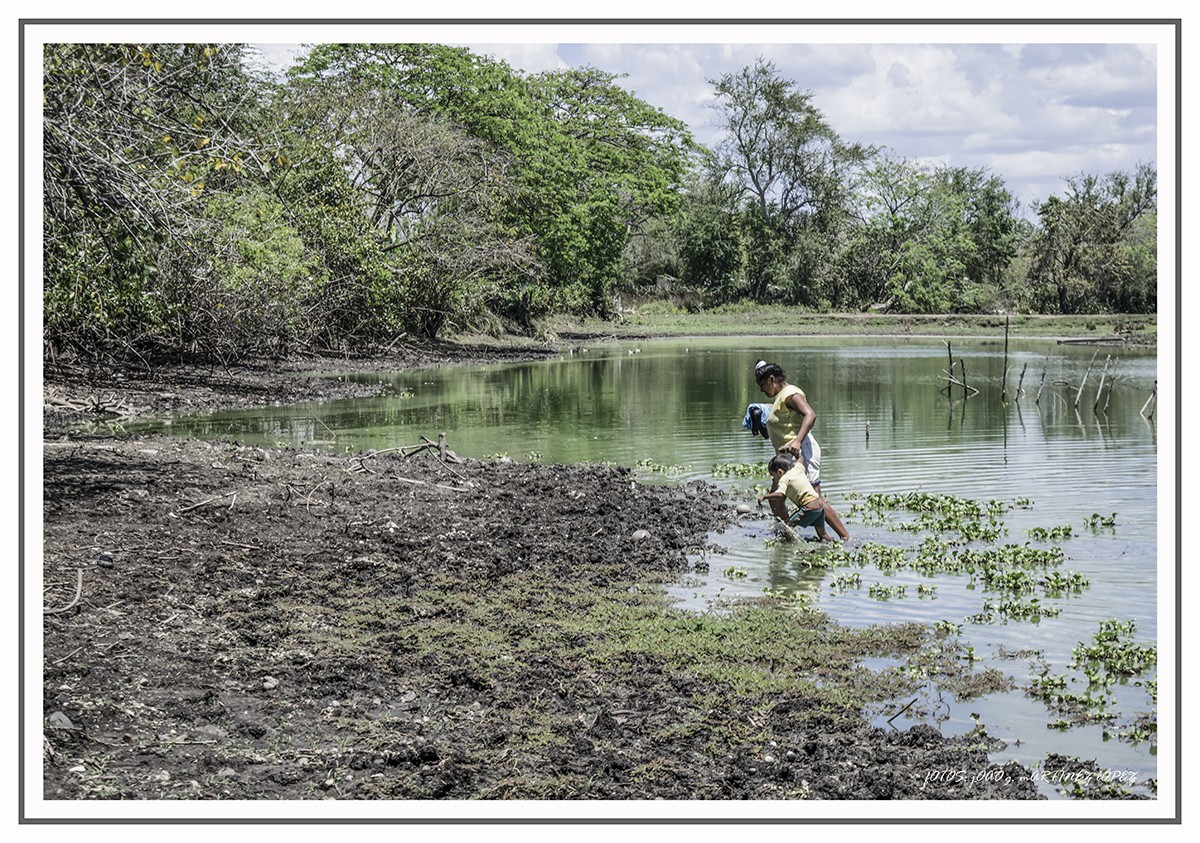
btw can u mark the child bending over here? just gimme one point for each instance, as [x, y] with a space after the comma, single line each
[789, 482]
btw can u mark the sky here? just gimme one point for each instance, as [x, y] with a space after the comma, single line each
[1030, 113]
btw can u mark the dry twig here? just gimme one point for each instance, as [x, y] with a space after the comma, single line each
[75, 599]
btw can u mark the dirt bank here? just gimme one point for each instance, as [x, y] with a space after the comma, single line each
[78, 392]
[225, 621]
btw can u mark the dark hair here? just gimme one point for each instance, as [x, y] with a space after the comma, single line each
[764, 370]
[783, 461]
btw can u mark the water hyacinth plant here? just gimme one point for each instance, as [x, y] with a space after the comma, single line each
[962, 541]
[1111, 658]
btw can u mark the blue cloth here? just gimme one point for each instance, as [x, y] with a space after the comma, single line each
[748, 423]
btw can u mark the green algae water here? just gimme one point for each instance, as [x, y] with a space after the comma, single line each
[1072, 472]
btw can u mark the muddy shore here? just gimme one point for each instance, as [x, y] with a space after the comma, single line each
[232, 622]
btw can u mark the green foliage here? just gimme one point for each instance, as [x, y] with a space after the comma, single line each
[135, 139]
[788, 167]
[725, 469]
[1112, 657]
[251, 292]
[1094, 251]
[417, 189]
[710, 242]
[359, 300]
[660, 468]
[1062, 531]
[1114, 652]
[191, 207]
[586, 166]
[931, 240]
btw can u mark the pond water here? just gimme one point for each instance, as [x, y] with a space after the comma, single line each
[673, 408]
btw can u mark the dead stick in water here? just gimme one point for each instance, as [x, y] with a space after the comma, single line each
[957, 382]
[963, 365]
[1085, 377]
[901, 711]
[1042, 382]
[1004, 375]
[1020, 381]
[1100, 388]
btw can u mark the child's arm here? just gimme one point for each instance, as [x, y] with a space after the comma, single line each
[778, 502]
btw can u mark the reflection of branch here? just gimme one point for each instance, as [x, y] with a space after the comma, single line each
[953, 381]
[1085, 377]
[1151, 402]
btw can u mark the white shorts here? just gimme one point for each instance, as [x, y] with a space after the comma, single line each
[810, 453]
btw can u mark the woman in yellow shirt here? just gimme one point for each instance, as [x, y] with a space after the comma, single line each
[789, 426]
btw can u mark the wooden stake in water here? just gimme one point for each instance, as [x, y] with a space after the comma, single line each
[1042, 382]
[1085, 377]
[949, 366]
[1004, 376]
[1020, 380]
[1100, 388]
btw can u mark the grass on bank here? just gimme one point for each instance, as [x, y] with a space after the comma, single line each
[662, 319]
[685, 682]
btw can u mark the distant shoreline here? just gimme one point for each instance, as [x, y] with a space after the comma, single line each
[659, 320]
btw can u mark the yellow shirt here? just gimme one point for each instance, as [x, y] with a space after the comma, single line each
[796, 488]
[784, 423]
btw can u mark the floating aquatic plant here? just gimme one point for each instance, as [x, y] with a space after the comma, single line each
[727, 469]
[660, 468]
[1044, 533]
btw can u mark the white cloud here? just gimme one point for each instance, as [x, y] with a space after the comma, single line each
[531, 58]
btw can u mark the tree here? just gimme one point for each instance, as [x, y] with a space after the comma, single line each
[433, 195]
[990, 215]
[609, 165]
[135, 138]
[885, 210]
[1091, 252]
[929, 239]
[707, 230]
[790, 168]
[587, 163]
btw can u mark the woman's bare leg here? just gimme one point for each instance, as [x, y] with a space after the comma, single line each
[831, 518]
